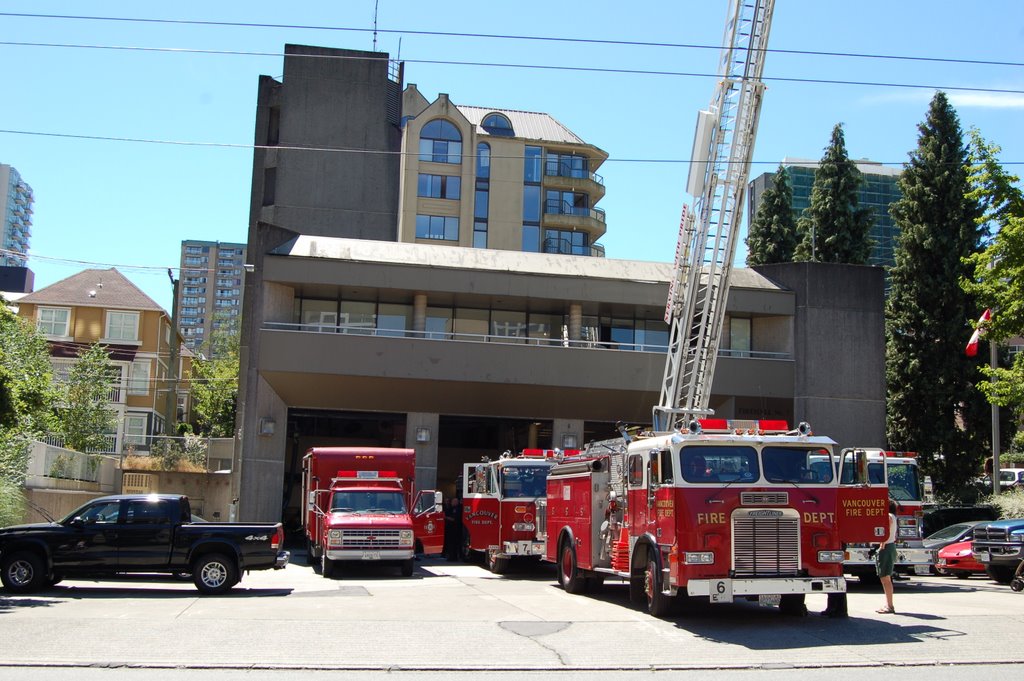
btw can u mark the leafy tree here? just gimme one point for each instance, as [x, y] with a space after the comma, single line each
[85, 416]
[933, 406]
[215, 384]
[26, 392]
[772, 234]
[997, 273]
[833, 228]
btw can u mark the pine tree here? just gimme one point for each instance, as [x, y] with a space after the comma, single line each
[933, 405]
[772, 234]
[833, 228]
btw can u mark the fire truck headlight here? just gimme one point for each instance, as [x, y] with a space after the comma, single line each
[334, 534]
[699, 558]
[830, 556]
[524, 527]
[910, 532]
[405, 537]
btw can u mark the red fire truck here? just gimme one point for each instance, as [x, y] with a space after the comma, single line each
[499, 506]
[900, 472]
[360, 505]
[723, 510]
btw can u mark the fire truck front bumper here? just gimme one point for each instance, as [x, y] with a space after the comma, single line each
[370, 554]
[725, 590]
[524, 548]
[909, 558]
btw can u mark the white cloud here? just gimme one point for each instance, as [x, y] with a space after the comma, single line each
[987, 100]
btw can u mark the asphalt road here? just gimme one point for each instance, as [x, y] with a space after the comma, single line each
[457, 617]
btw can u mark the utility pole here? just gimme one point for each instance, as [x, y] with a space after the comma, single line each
[171, 406]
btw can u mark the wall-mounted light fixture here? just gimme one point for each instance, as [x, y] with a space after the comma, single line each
[422, 434]
[266, 426]
[569, 441]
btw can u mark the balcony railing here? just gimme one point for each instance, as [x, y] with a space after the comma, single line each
[552, 170]
[566, 208]
[364, 330]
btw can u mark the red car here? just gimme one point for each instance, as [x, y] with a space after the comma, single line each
[958, 559]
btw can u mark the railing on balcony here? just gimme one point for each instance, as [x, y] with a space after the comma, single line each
[558, 207]
[110, 446]
[506, 338]
[562, 246]
[562, 170]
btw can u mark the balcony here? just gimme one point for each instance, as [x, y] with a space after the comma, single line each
[561, 177]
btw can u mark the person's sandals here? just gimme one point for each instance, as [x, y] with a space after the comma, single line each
[886, 611]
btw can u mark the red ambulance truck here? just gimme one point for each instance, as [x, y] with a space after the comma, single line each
[360, 504]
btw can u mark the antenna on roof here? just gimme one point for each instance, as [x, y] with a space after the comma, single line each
[375, 3]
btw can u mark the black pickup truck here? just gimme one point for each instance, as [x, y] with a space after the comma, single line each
[999, 546]
[137, 533]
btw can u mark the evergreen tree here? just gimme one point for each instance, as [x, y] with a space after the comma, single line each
[772, 234]
[85, 416]
[933, 405]
[833, 228]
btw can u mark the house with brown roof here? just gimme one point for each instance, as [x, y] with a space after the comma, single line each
[102, 305]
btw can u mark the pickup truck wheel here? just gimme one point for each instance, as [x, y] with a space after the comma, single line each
[23, 572]
[407, 567]
[999, 573]
[214, 573]
[569, 577]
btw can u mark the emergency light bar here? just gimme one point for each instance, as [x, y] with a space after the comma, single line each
[740, 427]
[548, 453]
[367, 475]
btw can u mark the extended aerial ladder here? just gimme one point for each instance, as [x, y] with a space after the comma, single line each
[719, 167]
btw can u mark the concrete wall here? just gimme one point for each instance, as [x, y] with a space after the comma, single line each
[839, 338]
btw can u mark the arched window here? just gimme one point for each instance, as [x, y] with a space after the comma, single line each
[440, 142]
[497, 125]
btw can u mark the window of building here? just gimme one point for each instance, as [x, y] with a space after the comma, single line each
[122, 326]
[135, 430]
[439, 322]
[567, 165]
[442, 227]
[483, 160]
[440, 142]
[320, 314]
[497, 125]
[479, 234]
[531, 238]
[531, 203]
[439, 186]
[532, 164]
[567, 203]
[546, 327]
[358, 316]
[393, 320]
[471, 323]
[508, 324]
[652, 335]
[566, 242]
[269, 186]
[739, 336]
[54, 321]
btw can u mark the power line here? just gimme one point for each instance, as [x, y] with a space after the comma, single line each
[540, 67]
[251, 147]
[501, 36]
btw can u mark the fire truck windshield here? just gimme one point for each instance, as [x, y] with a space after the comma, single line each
[796, 465]
[367, 502]
[704, 463]
[904, 481]
[524, 481]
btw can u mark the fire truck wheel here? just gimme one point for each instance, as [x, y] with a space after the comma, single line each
[326, 566]
[495, 563]
[569, 577]
[659, 603]
[407, 567]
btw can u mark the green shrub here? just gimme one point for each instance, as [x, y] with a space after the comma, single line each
[12, 503]
[1010, 504]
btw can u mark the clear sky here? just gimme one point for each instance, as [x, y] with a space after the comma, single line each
[130, 204]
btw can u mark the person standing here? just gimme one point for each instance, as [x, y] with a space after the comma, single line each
[885, 562]
[452, 529]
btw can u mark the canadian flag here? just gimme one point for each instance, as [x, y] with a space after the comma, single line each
[972, 345]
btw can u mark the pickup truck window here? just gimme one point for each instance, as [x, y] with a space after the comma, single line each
[143, 512]
[101, 513]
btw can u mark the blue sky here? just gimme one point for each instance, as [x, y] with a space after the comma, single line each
[130, 204]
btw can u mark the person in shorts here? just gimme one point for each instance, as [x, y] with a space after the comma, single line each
[885, 562]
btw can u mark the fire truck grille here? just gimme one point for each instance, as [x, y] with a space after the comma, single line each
[764, 498]
[766, 546]
[369, 539]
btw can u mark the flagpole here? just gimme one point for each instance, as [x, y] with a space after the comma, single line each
[993, 352]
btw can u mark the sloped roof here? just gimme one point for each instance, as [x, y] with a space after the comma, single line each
[94, 288]
[526, 124]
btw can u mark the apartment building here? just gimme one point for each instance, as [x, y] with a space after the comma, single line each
[16, 201]
[102, 305]
[210, 291]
